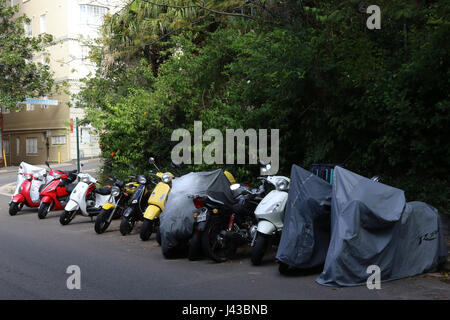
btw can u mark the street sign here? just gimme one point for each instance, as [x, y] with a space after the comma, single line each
[41, 101]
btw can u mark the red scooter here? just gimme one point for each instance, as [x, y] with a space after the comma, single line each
[55, 194]
[28, 192]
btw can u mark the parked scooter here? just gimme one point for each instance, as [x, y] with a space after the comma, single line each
[29, 186]
[114, 209]
[55, 194]
[156, 202]
[270, 214]
[86, 199]
[224, 227]
[135, 211]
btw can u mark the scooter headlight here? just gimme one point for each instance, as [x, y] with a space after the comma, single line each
[85, 180]
[282, 184]
[166, 178]
[141, 180]
[115, 191]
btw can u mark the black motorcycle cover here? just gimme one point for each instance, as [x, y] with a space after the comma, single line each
[306, 231]
[177, 220]
[371, 224]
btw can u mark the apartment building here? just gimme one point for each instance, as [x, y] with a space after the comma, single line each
[44, 129]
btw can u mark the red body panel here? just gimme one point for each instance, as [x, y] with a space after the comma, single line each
[18, 198]
[52, 194]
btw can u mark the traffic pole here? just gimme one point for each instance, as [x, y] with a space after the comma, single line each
[78, 146]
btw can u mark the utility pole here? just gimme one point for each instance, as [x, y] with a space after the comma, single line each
[78, 145]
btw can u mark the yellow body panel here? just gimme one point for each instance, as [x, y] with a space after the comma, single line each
[108, 206]
[157, 200]
[152, 212]
[159, 195]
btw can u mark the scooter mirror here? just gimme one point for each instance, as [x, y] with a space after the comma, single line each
[151, 160]
[266, 167]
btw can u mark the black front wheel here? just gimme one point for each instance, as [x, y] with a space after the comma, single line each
[260, 248]
[158, 236]
[13, 208]
[66, 217]
[195, 246]
[44, 209]
[215, 243]
[126, 225]
[147, 229]
[102, 221]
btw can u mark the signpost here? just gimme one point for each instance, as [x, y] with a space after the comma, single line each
[78, 145]
[40, 101]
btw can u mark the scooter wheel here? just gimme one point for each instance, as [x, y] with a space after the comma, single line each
[66, 217]
[13, 208]
[43, 210]
[158, 236]
[126, 226]
[195, 246]
[101, 222]
[259, 248]
[146, 230]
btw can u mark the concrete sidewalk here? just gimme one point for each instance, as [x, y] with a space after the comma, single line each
[72, 163]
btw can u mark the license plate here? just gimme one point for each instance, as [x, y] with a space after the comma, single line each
[201, 217]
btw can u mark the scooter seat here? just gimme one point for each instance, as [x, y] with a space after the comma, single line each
[103, 191]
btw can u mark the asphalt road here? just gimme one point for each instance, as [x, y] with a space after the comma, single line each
[35, 255]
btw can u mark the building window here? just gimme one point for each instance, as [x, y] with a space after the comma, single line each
[90, 14]
[84, 52]
[6, 146]
[30, 107]
[17, 146]
[13, 3]
[58, 140]
[43, 23]
[45, 59]
[28, 29]
[85, 136]
[44, 106]
[5, 111]
[32, 145]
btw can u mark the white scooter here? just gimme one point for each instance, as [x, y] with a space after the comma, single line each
[86, 199]
[270, 215]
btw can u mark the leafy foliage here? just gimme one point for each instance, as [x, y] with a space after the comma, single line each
[374, 100]
[20, 77]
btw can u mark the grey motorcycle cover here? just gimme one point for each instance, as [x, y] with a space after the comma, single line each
[306, 231]
[371, 224]
[177, 220]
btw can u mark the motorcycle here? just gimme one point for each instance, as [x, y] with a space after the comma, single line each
[86, 199]
[30, 181]
[56, 192]
[135, 211]
[222, 228]
[115, 209]
[270, 215]
[156, 203]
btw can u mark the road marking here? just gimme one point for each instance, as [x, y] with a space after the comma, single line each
[8, 189]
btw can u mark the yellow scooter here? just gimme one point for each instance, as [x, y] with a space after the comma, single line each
[156, 203]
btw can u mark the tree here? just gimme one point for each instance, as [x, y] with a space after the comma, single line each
[374, 100]
[20, 77]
